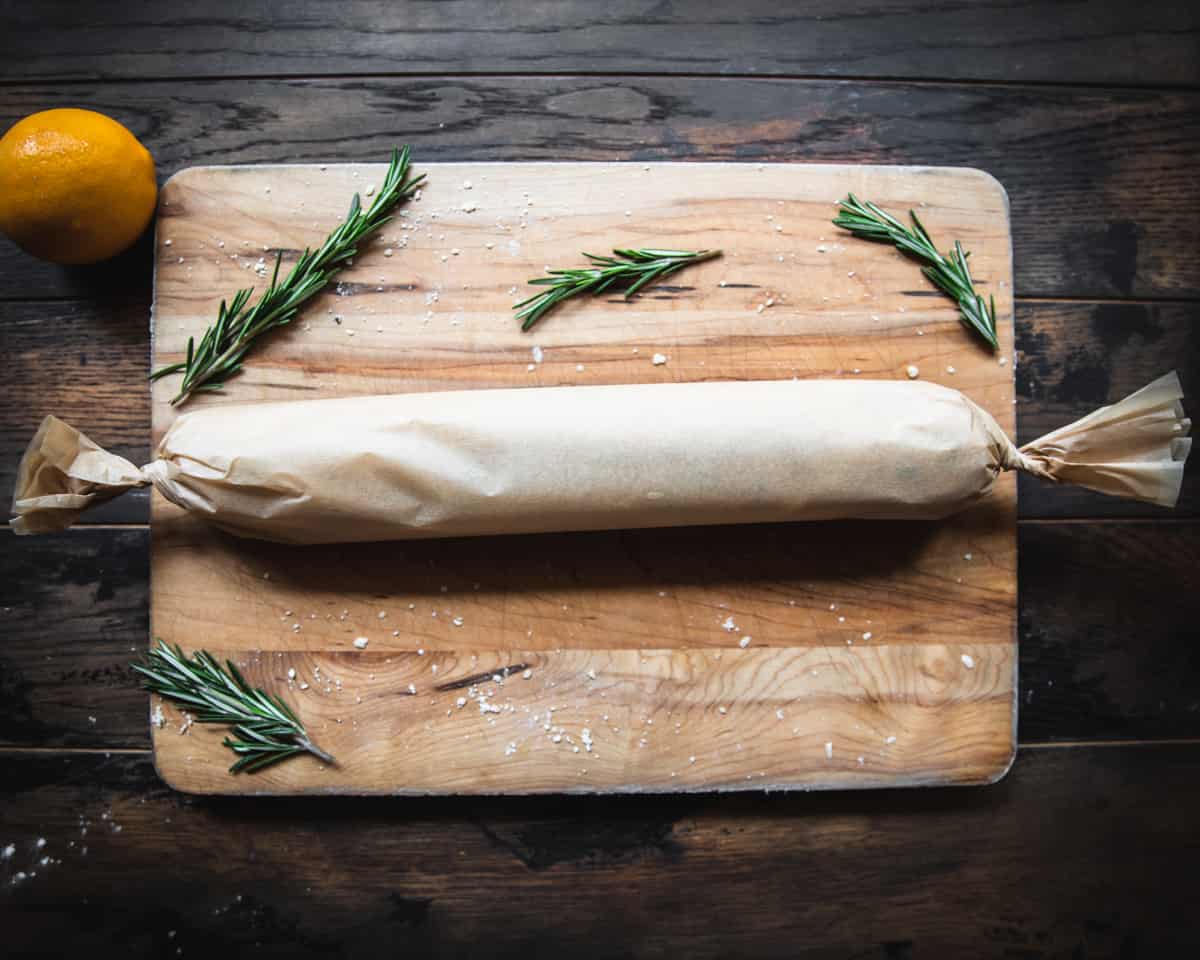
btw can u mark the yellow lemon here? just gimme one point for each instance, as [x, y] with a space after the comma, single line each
[75, 186]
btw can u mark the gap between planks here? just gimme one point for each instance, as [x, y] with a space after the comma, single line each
[889, 80]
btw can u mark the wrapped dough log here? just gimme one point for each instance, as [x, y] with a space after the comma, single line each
[585, 458]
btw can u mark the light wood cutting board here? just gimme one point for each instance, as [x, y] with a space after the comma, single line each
[881, 654]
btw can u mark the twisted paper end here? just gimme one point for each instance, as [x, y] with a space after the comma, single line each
[62, 474]
[1136, 448]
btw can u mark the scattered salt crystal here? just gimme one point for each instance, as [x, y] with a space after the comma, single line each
[579, 368]
[691, 759]
[913, 371]
[867, 635]
[457, 621]
[460, 702]
[966, 556]
[466, 185]
[527, 674]
[950, 370]
[1002, 361]
[890, 740]
[382, 614]
[658, 359]
[744, 642]
[860, 760]
[778, 714]
[722, 710]
[303, 686]
[370, 190]
[510, 749]
[538, 354]
[7, 852]
[828, 749]
[157, 717]
[360, 643]
[420, 651]
[291, 673]
[412, 689]
[468, 207]
[728, 625]
[387, 252]
[968, 661]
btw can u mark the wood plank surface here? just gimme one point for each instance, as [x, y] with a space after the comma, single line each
[1099, 179]
[994, 40]
[500, 677]
[1078, 853]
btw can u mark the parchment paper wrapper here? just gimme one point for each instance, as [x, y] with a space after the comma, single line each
[585, 458]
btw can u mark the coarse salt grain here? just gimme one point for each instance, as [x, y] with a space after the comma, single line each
[867, 635]
[728, 625]
[658, 359]
[968, 661]
[538, 354]
[912, 371]
[828, 749]
[361, 643]
[744, 642]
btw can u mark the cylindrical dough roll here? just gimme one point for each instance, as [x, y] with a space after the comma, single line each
[583, 458]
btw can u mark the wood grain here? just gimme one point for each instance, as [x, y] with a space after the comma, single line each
[1078, 853]
[1119, 659]
[1100, 180]
[998, 40]
[618, 633]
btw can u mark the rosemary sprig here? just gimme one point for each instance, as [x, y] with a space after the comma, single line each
[265, 729]
[225, 344]
[948, 273]
[628, 269]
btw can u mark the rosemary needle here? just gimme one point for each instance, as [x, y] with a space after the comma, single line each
[264, 727]
[628, 269]
[225, 344]
[948, 273]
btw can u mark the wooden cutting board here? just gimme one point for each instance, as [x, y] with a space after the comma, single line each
[881, 654]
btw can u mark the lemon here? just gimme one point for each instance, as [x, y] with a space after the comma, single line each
[75, 186]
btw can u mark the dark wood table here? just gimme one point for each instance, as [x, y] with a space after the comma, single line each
[1087, 112]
